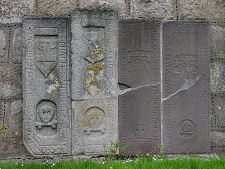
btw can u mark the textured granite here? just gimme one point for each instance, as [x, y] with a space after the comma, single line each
[46, 89]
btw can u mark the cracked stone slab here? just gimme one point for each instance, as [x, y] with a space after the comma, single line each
[139, 120]
[185, 87]
[12, 11]
[46, 88]
[94, 53]
[139, 53]
[139, 82]
[94, 124]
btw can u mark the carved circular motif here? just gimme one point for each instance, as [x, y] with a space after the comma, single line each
[46, 111]
[139, 130]
[186, 128]
[94, 118]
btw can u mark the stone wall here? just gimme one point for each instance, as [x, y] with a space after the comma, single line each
[12, 11]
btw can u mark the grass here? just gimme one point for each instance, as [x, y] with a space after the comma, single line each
[138, 163]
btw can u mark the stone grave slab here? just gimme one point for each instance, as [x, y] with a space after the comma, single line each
[94, 125]
[139, 82]
[139, 120]
[46, 88]
[185, 87]
[94, 80]
[94, 58]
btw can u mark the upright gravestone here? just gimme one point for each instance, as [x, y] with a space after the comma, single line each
[46, 86]
[139, 81]
[94, 80]
[185, 87]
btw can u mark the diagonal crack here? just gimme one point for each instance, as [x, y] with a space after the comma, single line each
[136, 88]
[187, 85]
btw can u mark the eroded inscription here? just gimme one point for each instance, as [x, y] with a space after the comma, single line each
[185, 87]
[139, 108]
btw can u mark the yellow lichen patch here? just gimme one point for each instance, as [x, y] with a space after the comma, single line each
[3, 128]
[92, 119]
[95, 68]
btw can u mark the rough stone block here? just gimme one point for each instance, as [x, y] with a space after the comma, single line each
[119, 5]
[217, 141]
[153, 9]
[46, 86]
[139, 120]
[217, 111]
[56, 7]
[217, 77]
[212, 10]
[94, 54]
[11, 125]
[185, 87]
[13, 10]
[94, 125]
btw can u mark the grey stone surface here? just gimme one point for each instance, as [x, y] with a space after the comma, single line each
[217, 141]
[55, 7]
[212, 10]
[139, 120]
[94, 80]
[217, 42]
[94, 125]
[139, 77]
[10, 91]
[46, 88]
[119, 5]
[217, 120]
[185, 87]
[13, 10]
[139, 53]
[153, 9]
[94, 54]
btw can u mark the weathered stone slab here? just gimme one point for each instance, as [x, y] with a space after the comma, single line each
[46, 86]
[139, 120]
[13, 10]
[185, 87]
[153, 9]
[94, 80]
[212, 10]
[94, 54]
[94, 125]
[139, 53]
[139, 81]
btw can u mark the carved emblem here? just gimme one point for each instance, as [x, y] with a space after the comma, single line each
[94, 75]
[95, 53]
[139, 130]
[186, 128]
[186, 66]
[46, 111]
[93, 120]
[46, 54]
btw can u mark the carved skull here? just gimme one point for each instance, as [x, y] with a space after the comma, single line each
[139, 130]
[46, 111]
